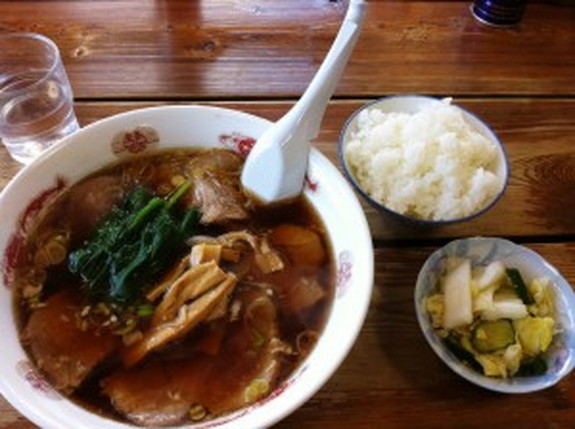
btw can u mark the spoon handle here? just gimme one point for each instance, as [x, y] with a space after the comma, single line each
[275, 168]
[311, 107]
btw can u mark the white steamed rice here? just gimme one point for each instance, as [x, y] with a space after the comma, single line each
[429, 165]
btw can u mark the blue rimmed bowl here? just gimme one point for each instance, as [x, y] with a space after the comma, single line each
[412, 104]
[560, 356]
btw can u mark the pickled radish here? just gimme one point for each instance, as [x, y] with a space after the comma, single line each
[457, 292]
[492, 275]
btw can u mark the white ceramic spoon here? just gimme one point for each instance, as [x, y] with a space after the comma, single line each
[275, 168]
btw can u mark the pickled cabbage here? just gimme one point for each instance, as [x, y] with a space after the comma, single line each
[534, 333]
[540, 289]
[435, 308]
[472, 303]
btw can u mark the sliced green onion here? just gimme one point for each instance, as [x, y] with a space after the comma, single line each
[145, 310]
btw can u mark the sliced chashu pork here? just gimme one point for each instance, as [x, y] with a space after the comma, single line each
[244, 368]
[90, 201]
[219, 201]
[215, 175]
[64, 352]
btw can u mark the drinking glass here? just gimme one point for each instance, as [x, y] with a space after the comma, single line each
[36, 101]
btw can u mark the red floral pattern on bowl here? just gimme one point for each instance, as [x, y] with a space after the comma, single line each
[13, 252]
[36, 379]
[136, 140]
[344, 272]
[310, 184]
[238, 142]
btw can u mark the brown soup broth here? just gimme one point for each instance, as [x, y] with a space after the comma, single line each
[71, 214]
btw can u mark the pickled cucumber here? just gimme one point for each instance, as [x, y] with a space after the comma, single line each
[490, 336]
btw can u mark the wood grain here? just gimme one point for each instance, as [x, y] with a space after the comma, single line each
[259, 56]
[184, 49]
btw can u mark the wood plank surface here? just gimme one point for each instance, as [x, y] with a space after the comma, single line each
[259, 56]
[219, 49]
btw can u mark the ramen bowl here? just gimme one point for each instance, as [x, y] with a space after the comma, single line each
[146, 130]
[559, 357]
[422, 160]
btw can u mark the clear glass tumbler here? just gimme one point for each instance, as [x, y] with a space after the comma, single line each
[36, 101]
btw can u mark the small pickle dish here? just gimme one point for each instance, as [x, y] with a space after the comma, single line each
[497, 314]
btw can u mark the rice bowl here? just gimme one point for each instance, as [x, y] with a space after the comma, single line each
[423, 158]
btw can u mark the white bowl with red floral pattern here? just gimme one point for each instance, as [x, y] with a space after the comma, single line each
[176, 126]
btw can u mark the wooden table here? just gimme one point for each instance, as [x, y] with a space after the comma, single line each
[259, 56]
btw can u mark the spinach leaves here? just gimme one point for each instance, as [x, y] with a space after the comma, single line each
[137, 241]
